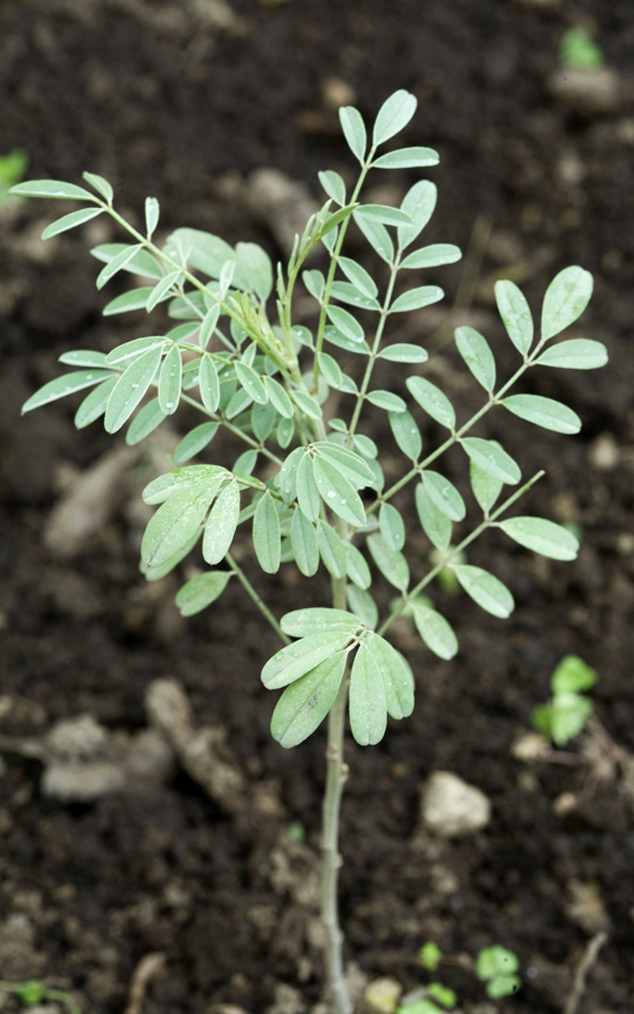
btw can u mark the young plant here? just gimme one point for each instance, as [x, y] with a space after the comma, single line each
[564, 715]
[578, 49]
[12, 168]
[495, 966]
[34, 992]
[310, 487]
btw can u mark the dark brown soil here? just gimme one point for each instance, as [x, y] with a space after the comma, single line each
[161, 100]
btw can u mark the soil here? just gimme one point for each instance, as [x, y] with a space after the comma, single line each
[182, 99]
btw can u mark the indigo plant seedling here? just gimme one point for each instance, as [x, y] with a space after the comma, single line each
[310, 488]
[564, 715]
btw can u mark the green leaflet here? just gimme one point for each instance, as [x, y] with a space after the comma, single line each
[84, 357]
[516, 315]
[432, 400]
[400, 352]
[407, 158]
[170, 380]
[100, 184]
[209, 384]
[432, 256]
[406, 434]
[392, 526]
[266, 535]
[303, 539]
[298, 658]
[387, 401]
[337, 492]
[307, 492]
[142, 263]
[314, 620]
[576, 354]
[542, 536]
[305, 703]
[444, 495]
[435, 631]
[167, 485]
[383, 213]
[475, 351]
[489, 456]
[417, 298]
[70, 221]
[52, 188]
[331, 549]
[486, 487]
[287, 477]
[208, 325]
[356, 567]
[397, 677]
[175, 522]
[279, 397]
[485, 589]
[134, 349]
[201, 591]
[347, 461]
[251, 383]
[254, 265]
[566, 298]
[546, 412]
[368, 705]
[162, 290]
[572, 675]
[359, 277]
[168, 565]
[152, 212]
[221, 525]
[148, 419]
[393, 116]
[419, 203]
[353, 130]
[333, 185]
[130, 389]
[346, 292]
[194, 442]
[363, 605]
[434, 522]
[61, 386]
[118, 263]
[378, 237]
[390, 562]
[135, 299]
[346, 324]
[94, 404]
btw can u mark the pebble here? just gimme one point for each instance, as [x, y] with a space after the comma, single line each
[452, 807]
[588, 92]
[382, 995]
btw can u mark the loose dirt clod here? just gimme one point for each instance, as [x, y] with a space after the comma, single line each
[451, 807]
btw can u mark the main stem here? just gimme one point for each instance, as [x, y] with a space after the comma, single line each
[336, 775]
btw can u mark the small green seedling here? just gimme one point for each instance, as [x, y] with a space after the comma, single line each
[309, 490]
[437, 994]
[12, 170]
[430, 956]
[497, 967]
[33, 992]
[579, 50]
[564, 716]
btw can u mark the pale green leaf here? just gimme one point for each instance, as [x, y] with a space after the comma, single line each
[123, 354]
[356, 567]
[143, 263]
[516, 314]
[302, 622]
[546, 412]
[346, 292]
[315, 283]
[194, 442]
[135, 299]
[118, 263]
[131, 388]
[174, 524]
[307, 492]
[263, 419]
[475, 350]
[94, 404]
[221, 526]
[69, 383]
[254, 266]
[209, 384]
[152, 212]
[393, 116]
[542, 536]
[330, 370]
[331, 549]
[359, 277]
[434, 522]
[162, 290]
[377, 236]
[100, 184]
[387, 400]
[576, 354]
[201, 591]
[279, 397]
[417, 298]
[566, 298]
[305, 703]
[298, 658]
[170, 380]
[332, 335]
[391, 526]
[168, 565]
[251, 382]
[390, 562]
[485, 589]
[304, 544]
[338, 493]
[406, 434]
[245, 463]
[363, 605]
[354, 467]
[492, 458]
[70, 221]
[407, 158]
[383, 213]
[353, 130]
[333, 185]
[444, 495]
[148, 419]
[486, 488]
[435, 631]
[345, 323]
[83, 357]
[398, 679]
[368, 706]
[170, 483]
[287, 476]
[208, 325]
[403, 353]
[52, 188]
[266, 535]
[306, 404]
[432, 256]
[432, 400]
[419, 203]
[573, 675]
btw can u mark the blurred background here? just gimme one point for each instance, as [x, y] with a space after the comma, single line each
[530, 105]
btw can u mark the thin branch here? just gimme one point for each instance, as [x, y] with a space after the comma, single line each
[584, 966]
[253, 595]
